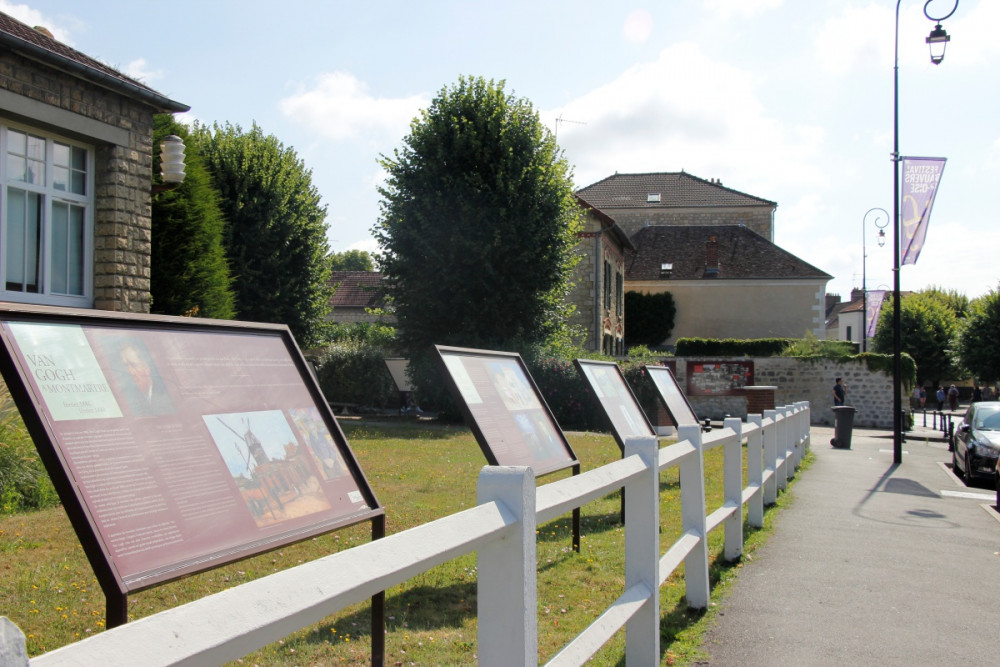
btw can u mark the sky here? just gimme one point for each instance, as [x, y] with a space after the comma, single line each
[787, 100]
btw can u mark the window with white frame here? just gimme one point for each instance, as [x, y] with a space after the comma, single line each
[46, 218]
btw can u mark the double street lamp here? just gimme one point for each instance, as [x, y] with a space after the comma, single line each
[937, 41]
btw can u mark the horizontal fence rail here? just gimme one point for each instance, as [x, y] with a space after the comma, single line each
[501, 530]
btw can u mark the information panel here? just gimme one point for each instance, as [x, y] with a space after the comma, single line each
[606, 383]
[718, 378]
[504, 409]
[675, 401]
[179, 444]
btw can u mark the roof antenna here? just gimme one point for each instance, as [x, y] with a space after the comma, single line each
[560, 119]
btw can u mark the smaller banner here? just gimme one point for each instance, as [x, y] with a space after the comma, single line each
[920, 181]
[873, 310]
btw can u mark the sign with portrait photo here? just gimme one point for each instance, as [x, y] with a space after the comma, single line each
[178, 444]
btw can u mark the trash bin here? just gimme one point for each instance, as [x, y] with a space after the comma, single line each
[843, 426]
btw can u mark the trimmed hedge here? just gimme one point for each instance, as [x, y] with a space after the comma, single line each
[732, 347]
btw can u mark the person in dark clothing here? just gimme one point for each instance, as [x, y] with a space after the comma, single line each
[839, 392]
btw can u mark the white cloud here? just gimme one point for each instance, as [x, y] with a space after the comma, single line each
[139, 70]
[638, 26]
[340, 107]
[741, 8]
[685, 111]
[859, 36]
[33, 17]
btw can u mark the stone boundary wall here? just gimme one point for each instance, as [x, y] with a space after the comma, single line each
[801, 380]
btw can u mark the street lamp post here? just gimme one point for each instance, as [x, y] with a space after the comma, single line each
[937, 41]
[878, 218]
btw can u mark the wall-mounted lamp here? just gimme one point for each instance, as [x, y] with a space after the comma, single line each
[171, 163]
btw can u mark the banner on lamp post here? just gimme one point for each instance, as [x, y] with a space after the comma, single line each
[921, 176]
[873, 310]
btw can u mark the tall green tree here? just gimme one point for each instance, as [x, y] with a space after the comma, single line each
[958, 302]
[189, 274]
[978, 342]
[477, 224]
[276, 236]
[928, 334]
[352, 260]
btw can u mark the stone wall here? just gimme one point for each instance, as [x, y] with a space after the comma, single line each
[122, 169]
[800, 380]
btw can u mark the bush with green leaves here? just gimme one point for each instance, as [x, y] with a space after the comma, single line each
[24, 483]
[732, 347]
[354, 371]
[566, 394]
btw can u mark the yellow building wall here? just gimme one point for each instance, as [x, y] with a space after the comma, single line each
[742, 309]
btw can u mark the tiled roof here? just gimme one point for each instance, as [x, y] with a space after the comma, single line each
[357, 289]
[742, 255]
[675, 190]
[38, 46]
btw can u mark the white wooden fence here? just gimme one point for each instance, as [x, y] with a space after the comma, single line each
[501, 528]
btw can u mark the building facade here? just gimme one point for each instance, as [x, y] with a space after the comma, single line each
[598, 291]
[728, 282]
[76, 175]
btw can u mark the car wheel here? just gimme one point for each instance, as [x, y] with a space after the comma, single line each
[954, 464]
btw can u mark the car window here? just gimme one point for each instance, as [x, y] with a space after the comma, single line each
[988, 421]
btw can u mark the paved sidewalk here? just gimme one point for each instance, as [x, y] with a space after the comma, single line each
[872, 564]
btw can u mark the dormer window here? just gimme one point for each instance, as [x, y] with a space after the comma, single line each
[653, 198]
[666, 269]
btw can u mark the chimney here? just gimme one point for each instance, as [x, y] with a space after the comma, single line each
[711, 258]
[857, 294]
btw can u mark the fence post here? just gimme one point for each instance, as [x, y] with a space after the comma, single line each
[13, 652]
[642, 552]
[732, 485]
[806, 427]
[781, 447]
[692, 477]
[771, 457]
[507, 583]
[755, 472]
[791, 440]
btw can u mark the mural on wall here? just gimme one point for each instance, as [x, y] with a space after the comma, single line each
[718, 378]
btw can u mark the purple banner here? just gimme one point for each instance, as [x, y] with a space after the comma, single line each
[920, 180]
[873, 310]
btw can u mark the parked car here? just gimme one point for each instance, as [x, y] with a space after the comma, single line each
[976, 443]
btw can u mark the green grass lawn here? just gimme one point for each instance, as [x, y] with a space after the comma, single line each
[419, 472]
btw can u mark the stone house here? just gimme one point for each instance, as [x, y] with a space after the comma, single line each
[598, 291]
[728, 282]
[713, 249]
[356, 294]
[76, 175]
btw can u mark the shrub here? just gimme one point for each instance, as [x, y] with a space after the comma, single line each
[732, 347]
[24, 483]
[354, 371]
[566, 394]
